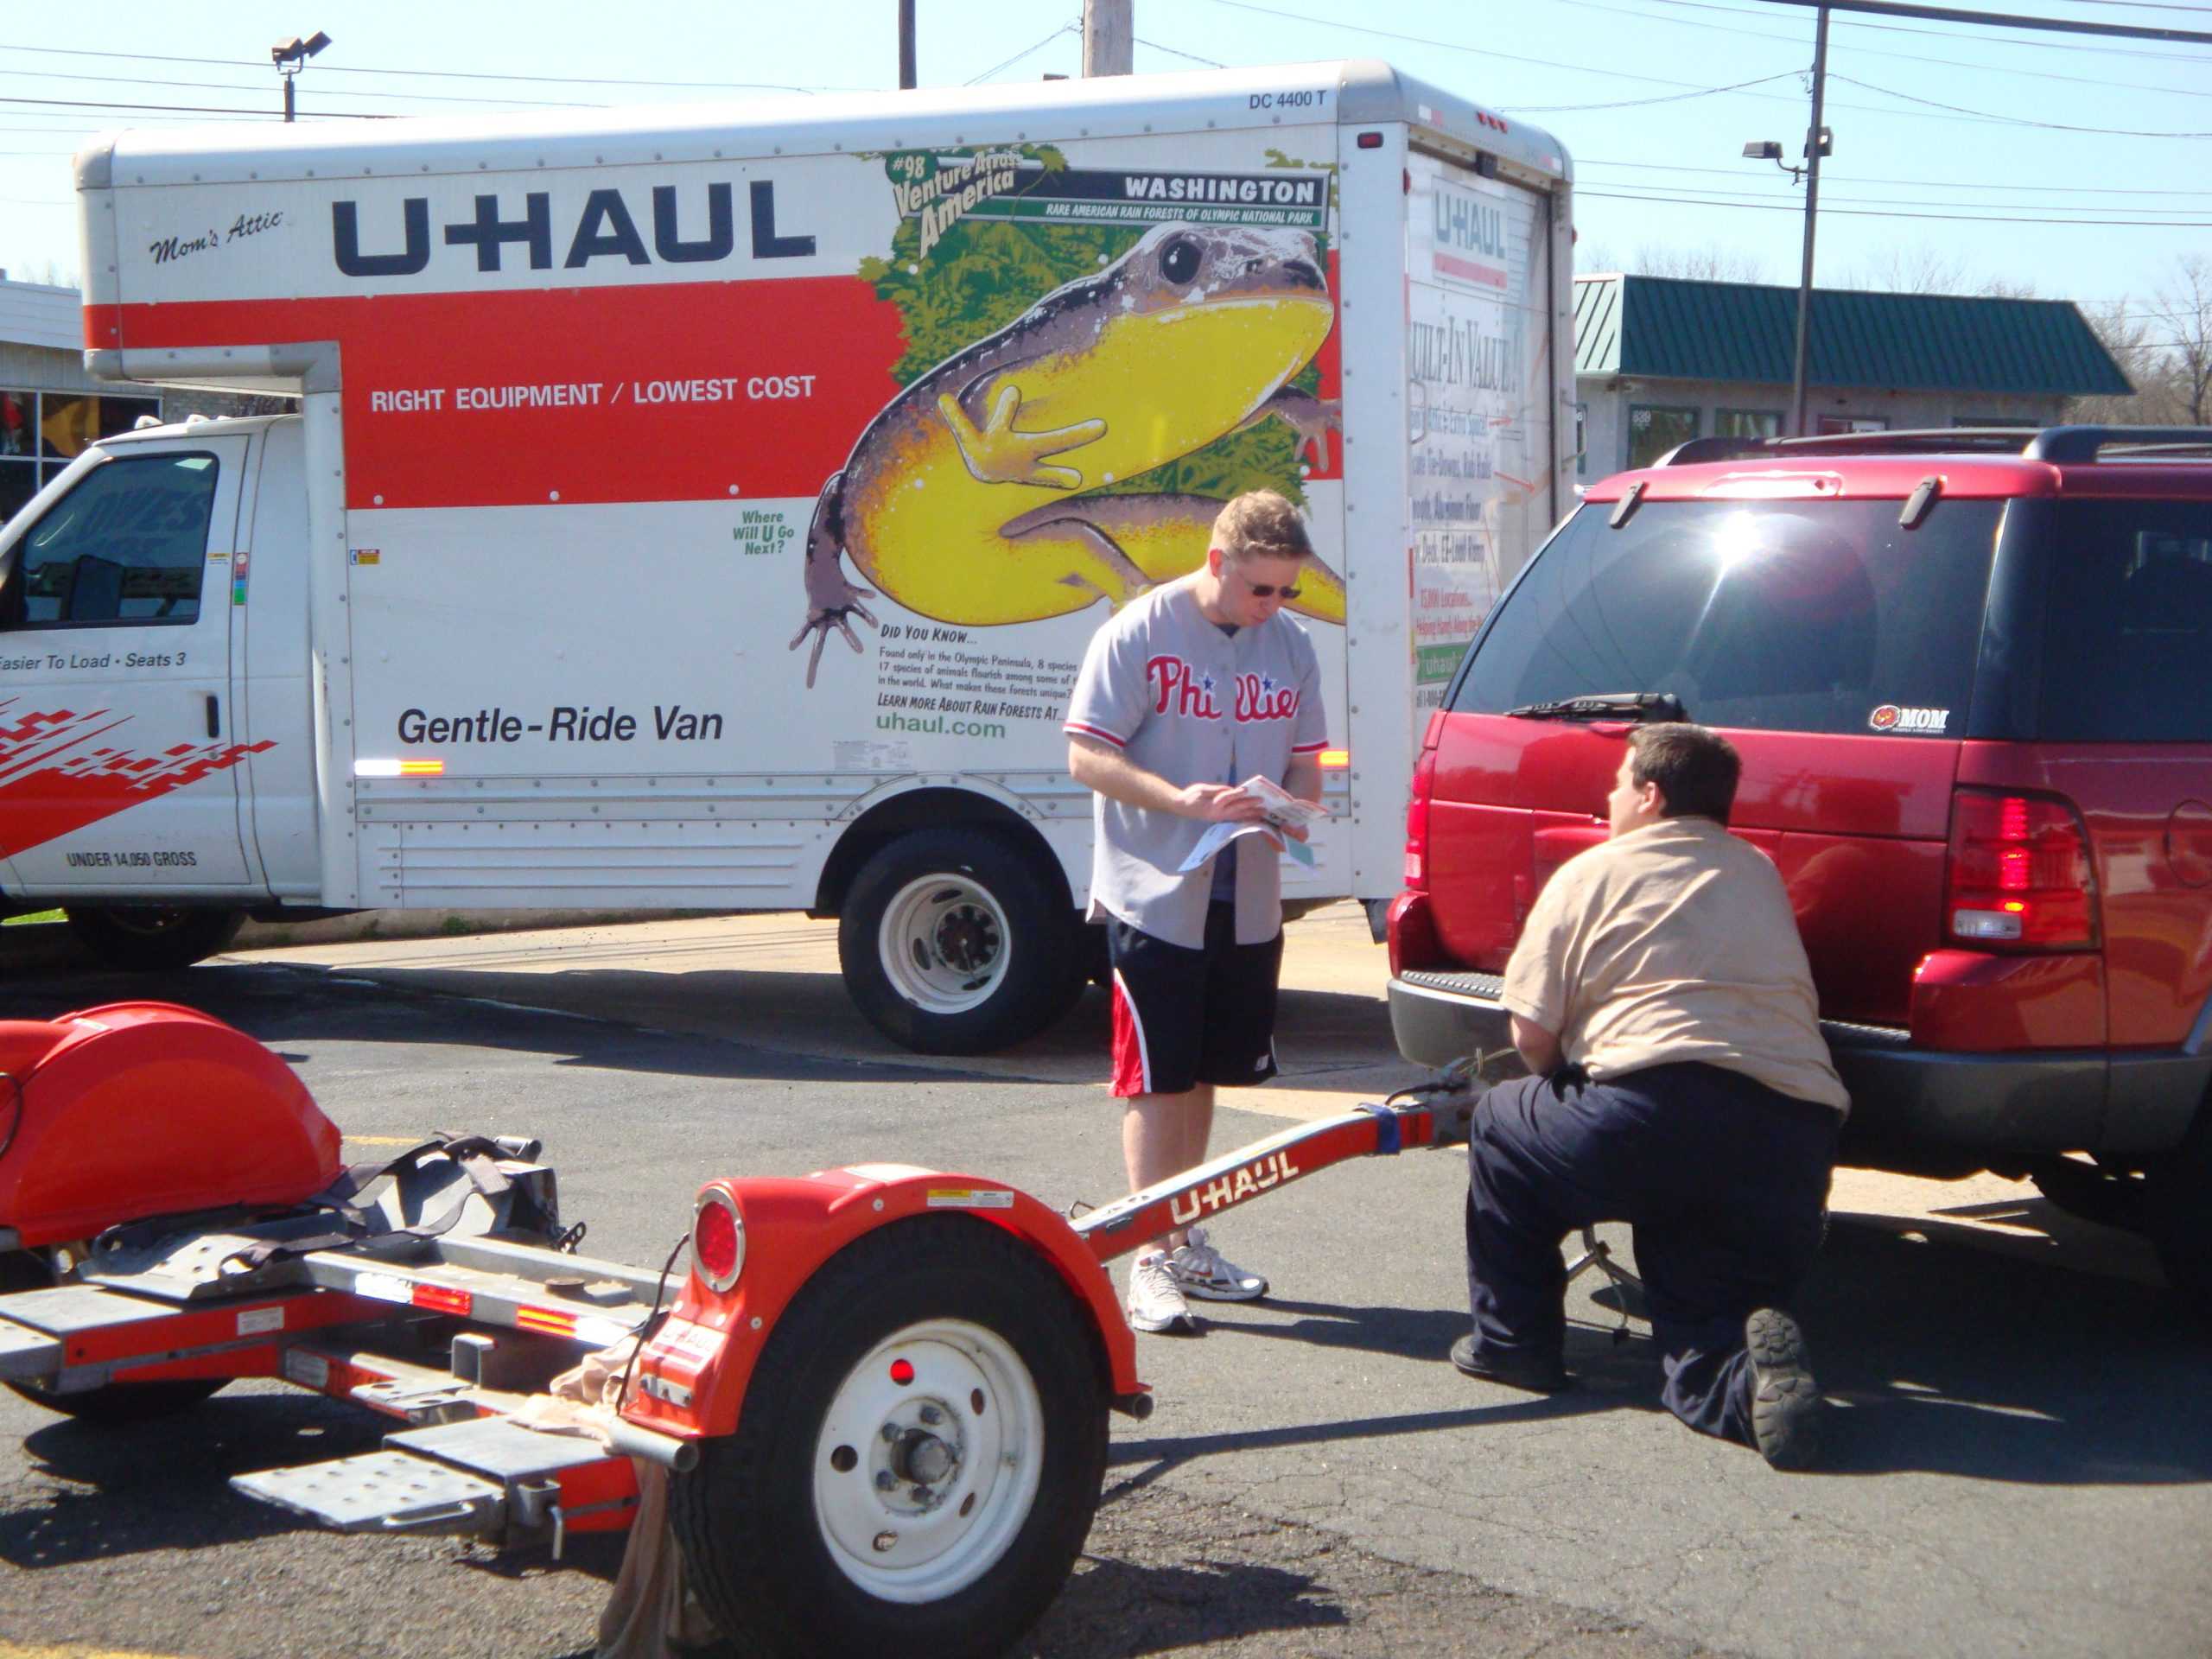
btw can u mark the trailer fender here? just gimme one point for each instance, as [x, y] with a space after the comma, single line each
[135, 1109]
[691, 1377]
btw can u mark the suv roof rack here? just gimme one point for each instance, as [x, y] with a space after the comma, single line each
[2058, 444]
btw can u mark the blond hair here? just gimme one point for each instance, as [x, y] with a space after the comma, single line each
[1260, 524]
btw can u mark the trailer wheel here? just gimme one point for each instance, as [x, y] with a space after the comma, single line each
[953, 942]
[153, 938]
[119, 1403]
[918, 1458]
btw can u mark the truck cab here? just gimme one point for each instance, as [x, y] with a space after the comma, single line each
[127, 653]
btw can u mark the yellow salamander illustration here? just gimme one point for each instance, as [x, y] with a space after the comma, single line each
[965, 498]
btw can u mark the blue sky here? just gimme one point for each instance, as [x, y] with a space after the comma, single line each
[2076, 165]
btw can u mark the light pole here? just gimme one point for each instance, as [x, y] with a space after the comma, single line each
[291, 56]
[1816, 145]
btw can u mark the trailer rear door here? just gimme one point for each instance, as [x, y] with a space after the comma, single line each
[1480, 403]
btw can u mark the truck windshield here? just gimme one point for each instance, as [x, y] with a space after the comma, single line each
[1805, 616]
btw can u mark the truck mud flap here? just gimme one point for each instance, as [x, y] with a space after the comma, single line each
[487, 1477]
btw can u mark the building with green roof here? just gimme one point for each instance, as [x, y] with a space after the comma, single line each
[1659, 360]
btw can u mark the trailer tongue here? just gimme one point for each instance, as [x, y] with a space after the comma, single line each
[880, 1390]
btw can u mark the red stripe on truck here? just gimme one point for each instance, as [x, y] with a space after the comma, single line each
[688, 391]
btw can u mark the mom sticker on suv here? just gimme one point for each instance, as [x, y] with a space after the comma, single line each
[1891, 718]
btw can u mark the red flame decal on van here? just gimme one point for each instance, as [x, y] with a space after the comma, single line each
[51, 783]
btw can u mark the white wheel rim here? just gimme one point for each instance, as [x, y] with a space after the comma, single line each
[921, 1486]
[944, 943]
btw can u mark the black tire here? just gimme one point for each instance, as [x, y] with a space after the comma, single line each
[750, 1516]
[2089, 1192]
[153, 938]
[956, 941]
[2176, 1197]
[119, 1403]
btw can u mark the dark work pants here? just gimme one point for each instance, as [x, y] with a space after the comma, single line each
[1724, 1181]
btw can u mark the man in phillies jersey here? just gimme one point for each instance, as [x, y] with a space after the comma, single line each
[1200, 684]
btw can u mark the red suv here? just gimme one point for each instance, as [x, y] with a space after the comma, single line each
[1970, 675]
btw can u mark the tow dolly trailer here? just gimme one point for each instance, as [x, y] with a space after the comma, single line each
[879, 1392]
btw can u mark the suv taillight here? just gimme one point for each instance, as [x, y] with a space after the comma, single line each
[2018, 873]
[1417, 820]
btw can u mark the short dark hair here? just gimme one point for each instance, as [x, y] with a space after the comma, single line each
[1694, 767]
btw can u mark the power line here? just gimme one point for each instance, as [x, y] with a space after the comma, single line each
[1874, 52]
[195, 109]
[1074, 27]
[1174, 52]
[322, 69]
[1933, 184]
[43, 76]
[1664, 97]
[1955, 219]
[2013, 120]
[1983, 38]
[2005, 19]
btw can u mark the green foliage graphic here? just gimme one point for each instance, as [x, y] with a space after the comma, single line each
[982, 274]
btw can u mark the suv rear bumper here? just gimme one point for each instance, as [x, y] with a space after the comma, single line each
[1909, 1106]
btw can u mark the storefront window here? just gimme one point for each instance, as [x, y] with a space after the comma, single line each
[1746, 422]
[41, 432]
[1654, 430]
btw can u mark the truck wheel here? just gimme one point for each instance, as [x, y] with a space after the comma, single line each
[953, 942]
[2176, 1192]
[153, 938]
[117, 1403]
[919, 1457]
[2089, 1192]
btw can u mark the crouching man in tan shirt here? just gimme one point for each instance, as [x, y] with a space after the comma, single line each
[1662, 998]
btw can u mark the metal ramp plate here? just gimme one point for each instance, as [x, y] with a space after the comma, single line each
[382, 1491]
[25, 1353]
[72, 1310]
[498, 1449]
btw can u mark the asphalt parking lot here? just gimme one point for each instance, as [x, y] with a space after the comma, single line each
[2023, 1450]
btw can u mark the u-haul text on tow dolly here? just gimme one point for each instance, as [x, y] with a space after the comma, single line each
[710, 509]
[880, 1391]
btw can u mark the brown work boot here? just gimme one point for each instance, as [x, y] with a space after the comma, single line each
[1786, 1407]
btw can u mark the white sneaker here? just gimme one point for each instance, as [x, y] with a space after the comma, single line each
[1156, 1301]
[1202, 1271]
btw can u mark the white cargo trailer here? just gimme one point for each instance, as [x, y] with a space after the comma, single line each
[708, 508]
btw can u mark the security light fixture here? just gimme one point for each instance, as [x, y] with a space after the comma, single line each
[291, 56]
[298, 51]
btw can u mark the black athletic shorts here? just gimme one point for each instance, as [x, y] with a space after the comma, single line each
[1184, 1017]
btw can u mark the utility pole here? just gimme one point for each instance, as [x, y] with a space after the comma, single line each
[1812, 148]
[1108, 37]
[906, 42]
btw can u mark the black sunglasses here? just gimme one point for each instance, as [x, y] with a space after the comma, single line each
[1267, 589]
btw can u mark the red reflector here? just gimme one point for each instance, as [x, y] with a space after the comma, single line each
[713, 1241]
[902, 1372]
[444, 1300]
[1369, 141]
[1424, 785]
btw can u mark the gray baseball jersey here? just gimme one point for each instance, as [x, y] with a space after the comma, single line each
[1194, 705]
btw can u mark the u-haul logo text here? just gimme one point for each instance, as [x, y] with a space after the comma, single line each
[1244, 1182]
[691, 229]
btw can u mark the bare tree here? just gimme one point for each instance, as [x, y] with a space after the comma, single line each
[1900, 270]
[2181, 313]
[1710, 264]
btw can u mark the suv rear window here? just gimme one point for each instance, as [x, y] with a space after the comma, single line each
[1801, 616]
[2127, 657]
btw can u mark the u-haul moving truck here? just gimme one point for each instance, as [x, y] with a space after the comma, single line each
[710, 509]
